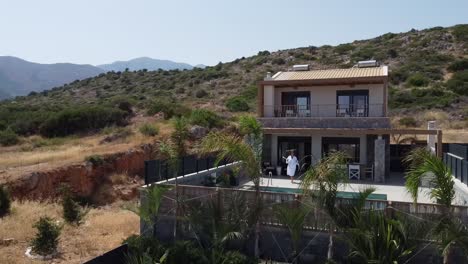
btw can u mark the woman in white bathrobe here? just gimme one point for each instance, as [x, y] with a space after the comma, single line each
[292, 162]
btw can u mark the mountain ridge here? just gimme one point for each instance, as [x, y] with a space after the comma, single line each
[19, 77]
[147, 63]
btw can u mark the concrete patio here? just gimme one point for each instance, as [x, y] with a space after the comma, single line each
[393, 187]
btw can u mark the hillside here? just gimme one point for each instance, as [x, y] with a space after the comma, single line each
[144, 63]
[428, 70]
[19, 77]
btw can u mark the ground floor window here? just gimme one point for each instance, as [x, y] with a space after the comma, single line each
[350, 146]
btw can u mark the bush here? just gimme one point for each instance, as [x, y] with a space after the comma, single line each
[72, 211]
[459, 82]
[278, 61]
[5, 201]
[82, 119]
[95, 160]
[418, 80]
[344, 48]
[407, 121]
[201, 93]
[237, 104]
[461, 32]
[8, 137]
[149, 130]
[205, 118]
[138, 246]
[168, 107]
[47, 237]
[459, 65]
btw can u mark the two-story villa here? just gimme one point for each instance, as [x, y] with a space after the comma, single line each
[318, 111]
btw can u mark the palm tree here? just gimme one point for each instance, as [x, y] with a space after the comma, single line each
[377, 239]
[423, 163]
[449, 230]
[211, 230]
[247, 149]
[293, 218]
[324, 178]
[452, 234]
[149, 208]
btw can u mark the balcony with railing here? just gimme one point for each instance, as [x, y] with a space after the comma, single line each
[325, 116]
[324, 110]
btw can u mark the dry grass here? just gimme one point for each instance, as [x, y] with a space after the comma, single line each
[19, 160]
[104, 229]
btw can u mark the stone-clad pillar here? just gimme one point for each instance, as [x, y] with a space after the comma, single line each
[379, 160]
[431, 139]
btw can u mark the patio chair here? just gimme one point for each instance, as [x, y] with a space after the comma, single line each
[341, 112]
[360, 112]
[289, 113]
[354, 171]
[369, 170]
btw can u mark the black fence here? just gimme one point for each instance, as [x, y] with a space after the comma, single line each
[456, 159]
[158, 170]
[115, 256]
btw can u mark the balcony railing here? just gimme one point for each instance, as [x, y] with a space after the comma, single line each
[324, 110]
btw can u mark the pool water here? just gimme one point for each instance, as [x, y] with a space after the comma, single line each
[347, 195]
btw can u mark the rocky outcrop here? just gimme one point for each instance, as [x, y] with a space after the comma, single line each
[84, 179]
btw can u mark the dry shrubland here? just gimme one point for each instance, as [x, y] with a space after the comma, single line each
[104, 229]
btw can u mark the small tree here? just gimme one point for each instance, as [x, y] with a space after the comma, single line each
[5, 201]
[72, 211]
[47, 236]
[180, 135]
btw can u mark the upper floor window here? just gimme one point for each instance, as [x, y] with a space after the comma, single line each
[352, 103]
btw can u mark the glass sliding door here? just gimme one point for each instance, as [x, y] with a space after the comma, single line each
[352, 103]
[301, 147]
[295, 104]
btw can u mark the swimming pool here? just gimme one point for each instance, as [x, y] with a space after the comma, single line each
[347, 195]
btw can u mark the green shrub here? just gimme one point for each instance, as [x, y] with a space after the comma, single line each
[205, 118]
[82, 119]
[237, 104]
[461, 32]
[5, 201]
[459, 82]
[95, 160]
[407, 121]
[420, 98]
[167, 106]
[364, 53]
[418, 80]
[72, 211]
[278, 61]
[344, 48]
[200, 93]
[8, 137]
[149, 130]
[459, 65]
[250, 93]
[138, 246]
[47, 237]
[186, 252]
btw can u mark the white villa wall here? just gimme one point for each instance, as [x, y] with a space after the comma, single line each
[269, 99]
[326, 95]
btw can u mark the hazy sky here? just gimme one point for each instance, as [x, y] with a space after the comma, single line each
[198, 31]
